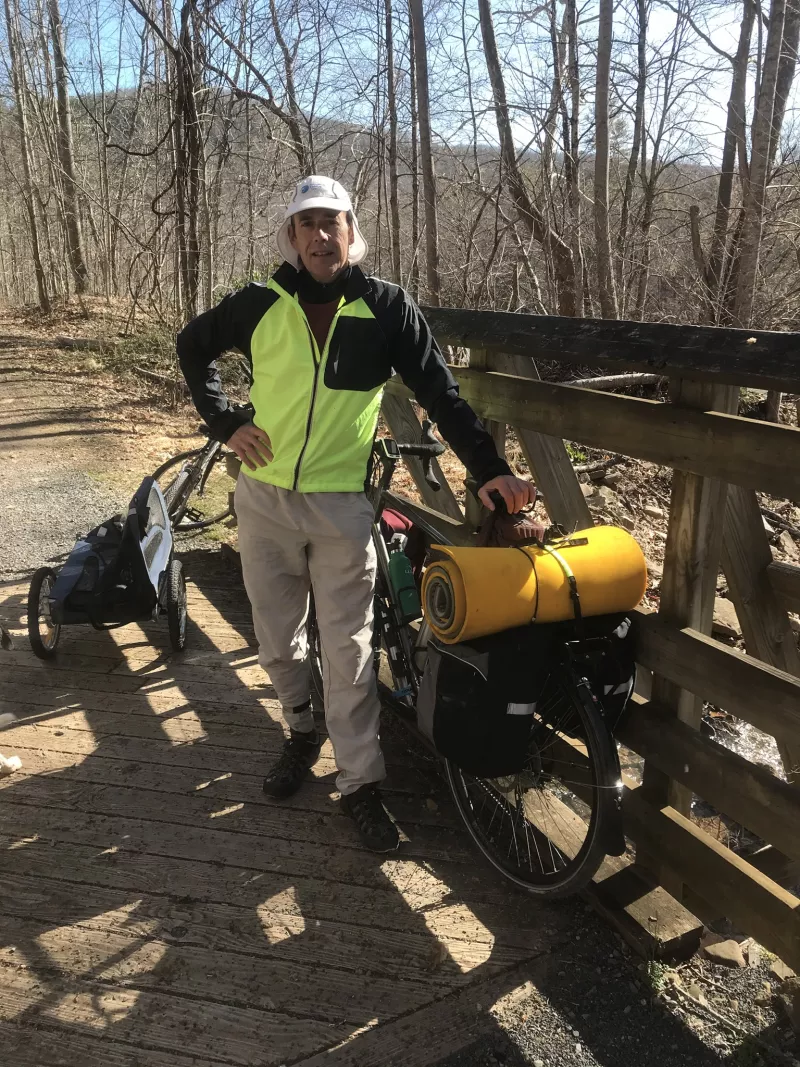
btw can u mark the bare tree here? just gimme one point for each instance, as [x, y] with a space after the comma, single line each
[530, 215]
[426, 151]
[602, 233]
[66, 157]
[20, 93]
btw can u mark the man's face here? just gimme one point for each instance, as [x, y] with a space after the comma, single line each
[322, 238]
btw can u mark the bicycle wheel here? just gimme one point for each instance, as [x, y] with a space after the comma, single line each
[545, 828]
[43, 633]
[176, 605]
[204, 507]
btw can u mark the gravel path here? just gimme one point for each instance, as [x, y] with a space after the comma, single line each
[50, 438]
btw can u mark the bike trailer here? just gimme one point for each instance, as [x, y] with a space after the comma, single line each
[115, 574]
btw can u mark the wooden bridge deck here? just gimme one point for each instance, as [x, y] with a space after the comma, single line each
[157, 910]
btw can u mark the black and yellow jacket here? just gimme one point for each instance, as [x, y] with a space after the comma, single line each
[320, 408]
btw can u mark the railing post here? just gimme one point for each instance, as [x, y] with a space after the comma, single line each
[688, 588]
[474, 510]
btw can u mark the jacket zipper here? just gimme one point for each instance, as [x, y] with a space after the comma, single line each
[317, 363]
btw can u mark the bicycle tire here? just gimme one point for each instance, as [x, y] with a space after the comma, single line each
[44, 648]
[177, 615]
[172, 492]
[602, 791]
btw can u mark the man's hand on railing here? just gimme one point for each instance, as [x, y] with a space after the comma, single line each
[251, 445]
[516, 492]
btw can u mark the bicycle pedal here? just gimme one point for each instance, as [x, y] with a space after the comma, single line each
[193, 515]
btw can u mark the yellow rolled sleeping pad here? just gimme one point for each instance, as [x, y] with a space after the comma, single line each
[472, 592]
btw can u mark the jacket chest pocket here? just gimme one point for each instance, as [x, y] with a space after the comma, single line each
[358, 356]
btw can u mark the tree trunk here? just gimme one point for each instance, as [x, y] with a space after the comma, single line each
[780, 57]
[530, 215]
[605, 271]
[25, 152]
[426, 152]
[636, 144]
[66, 157]
[295, 114]
[394, 202]
[251, 209]
[571, 150]
[414, 275]
[734, 132]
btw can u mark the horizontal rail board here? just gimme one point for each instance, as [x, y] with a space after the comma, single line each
[742, 790]
[785, 580]
[747, 687]
[750, 899]
[759, 358]
[756, 455]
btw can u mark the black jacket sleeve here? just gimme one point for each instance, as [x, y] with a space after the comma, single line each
[418, 360]
[204, 339]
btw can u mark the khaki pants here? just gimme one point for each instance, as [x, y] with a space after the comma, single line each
[290, 543]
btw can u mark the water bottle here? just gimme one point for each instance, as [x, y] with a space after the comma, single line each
[401, 576]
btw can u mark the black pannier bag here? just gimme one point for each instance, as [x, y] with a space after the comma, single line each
[478, 700]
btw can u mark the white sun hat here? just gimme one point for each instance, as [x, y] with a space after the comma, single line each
[319, 191]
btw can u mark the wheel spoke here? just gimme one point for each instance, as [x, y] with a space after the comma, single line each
[540, 827]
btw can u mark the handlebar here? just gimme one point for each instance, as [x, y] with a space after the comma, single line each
[426, 450]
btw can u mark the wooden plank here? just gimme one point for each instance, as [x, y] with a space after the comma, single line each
[752, 901]
[765, 625]
[233, 787]
[313, 829]
[404, 912]
[765, 696]
[785, 581]
[548, 459]
[652, 922]
[744, 791]
[271, 934]
[405, 428]
[688, 585]
[62, 747]
[289, 859]
[162, 1022]
[249, 979]
[758, 358]
[739, 451]
[47, 1044]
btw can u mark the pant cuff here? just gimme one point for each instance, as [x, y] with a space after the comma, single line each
[299, 720]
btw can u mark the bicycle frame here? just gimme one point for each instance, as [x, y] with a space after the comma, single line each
[405, 644]
[192, 476]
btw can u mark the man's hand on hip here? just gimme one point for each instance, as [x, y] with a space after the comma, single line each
[516, 492]
[251, 445]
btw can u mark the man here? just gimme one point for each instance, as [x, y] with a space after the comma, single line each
[323, 338]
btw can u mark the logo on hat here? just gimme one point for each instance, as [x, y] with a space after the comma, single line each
[305, 188]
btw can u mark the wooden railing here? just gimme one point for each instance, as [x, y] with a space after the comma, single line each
[719, 460]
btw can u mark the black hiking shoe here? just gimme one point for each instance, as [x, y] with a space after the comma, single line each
[300, 753]
[376, 829]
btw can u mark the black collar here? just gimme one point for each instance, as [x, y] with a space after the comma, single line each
[290, 280]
